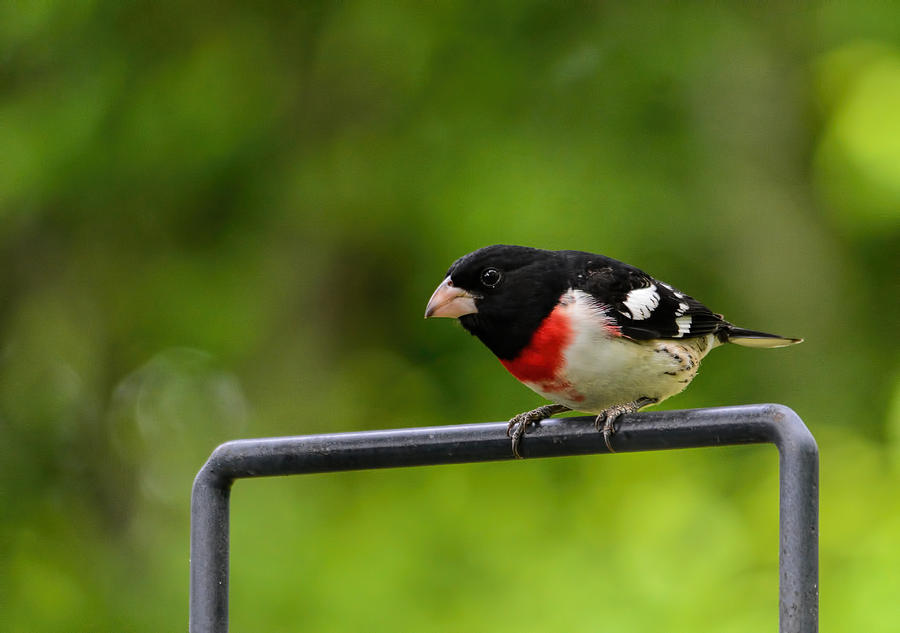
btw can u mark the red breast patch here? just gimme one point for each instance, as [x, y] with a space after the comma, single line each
[541, 361]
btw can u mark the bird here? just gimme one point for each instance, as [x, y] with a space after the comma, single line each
[587, 332]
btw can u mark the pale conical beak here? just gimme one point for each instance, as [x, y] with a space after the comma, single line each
[450, 301]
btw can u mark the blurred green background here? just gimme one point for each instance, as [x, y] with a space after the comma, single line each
[223, 219]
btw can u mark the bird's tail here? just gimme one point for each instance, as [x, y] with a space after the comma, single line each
[752, 338]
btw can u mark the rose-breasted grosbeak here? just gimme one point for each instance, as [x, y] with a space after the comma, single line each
[585, 331]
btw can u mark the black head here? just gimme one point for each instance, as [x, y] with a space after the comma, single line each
[501, 294]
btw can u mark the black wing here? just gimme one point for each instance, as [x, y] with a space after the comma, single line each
[641, 306]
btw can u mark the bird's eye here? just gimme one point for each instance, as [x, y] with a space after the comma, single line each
[490, 277]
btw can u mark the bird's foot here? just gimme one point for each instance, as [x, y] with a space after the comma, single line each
[517, 425]
[606, 421]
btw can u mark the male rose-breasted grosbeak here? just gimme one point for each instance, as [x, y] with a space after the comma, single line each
[585, 331]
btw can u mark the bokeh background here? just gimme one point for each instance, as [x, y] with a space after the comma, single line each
[223, 219]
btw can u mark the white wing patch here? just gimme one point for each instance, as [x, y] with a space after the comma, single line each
[682, 308]
[684, 325]
[641, 302]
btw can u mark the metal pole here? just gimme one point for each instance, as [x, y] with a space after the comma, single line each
[749, 424]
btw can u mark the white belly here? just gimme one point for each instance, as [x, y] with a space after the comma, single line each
[602, 370]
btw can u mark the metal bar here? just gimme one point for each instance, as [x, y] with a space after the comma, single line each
[749, 424]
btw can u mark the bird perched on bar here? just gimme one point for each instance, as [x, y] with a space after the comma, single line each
[585, 331]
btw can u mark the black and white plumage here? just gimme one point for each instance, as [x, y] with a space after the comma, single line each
[585, 331]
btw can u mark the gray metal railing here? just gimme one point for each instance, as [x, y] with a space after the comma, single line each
[749, 424]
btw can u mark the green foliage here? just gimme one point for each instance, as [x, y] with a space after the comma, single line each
[224, 219]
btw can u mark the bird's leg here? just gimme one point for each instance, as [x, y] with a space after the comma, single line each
[519, 423]
[606, 420]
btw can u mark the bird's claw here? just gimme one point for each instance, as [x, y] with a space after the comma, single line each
[606, 421]
[515, 431]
